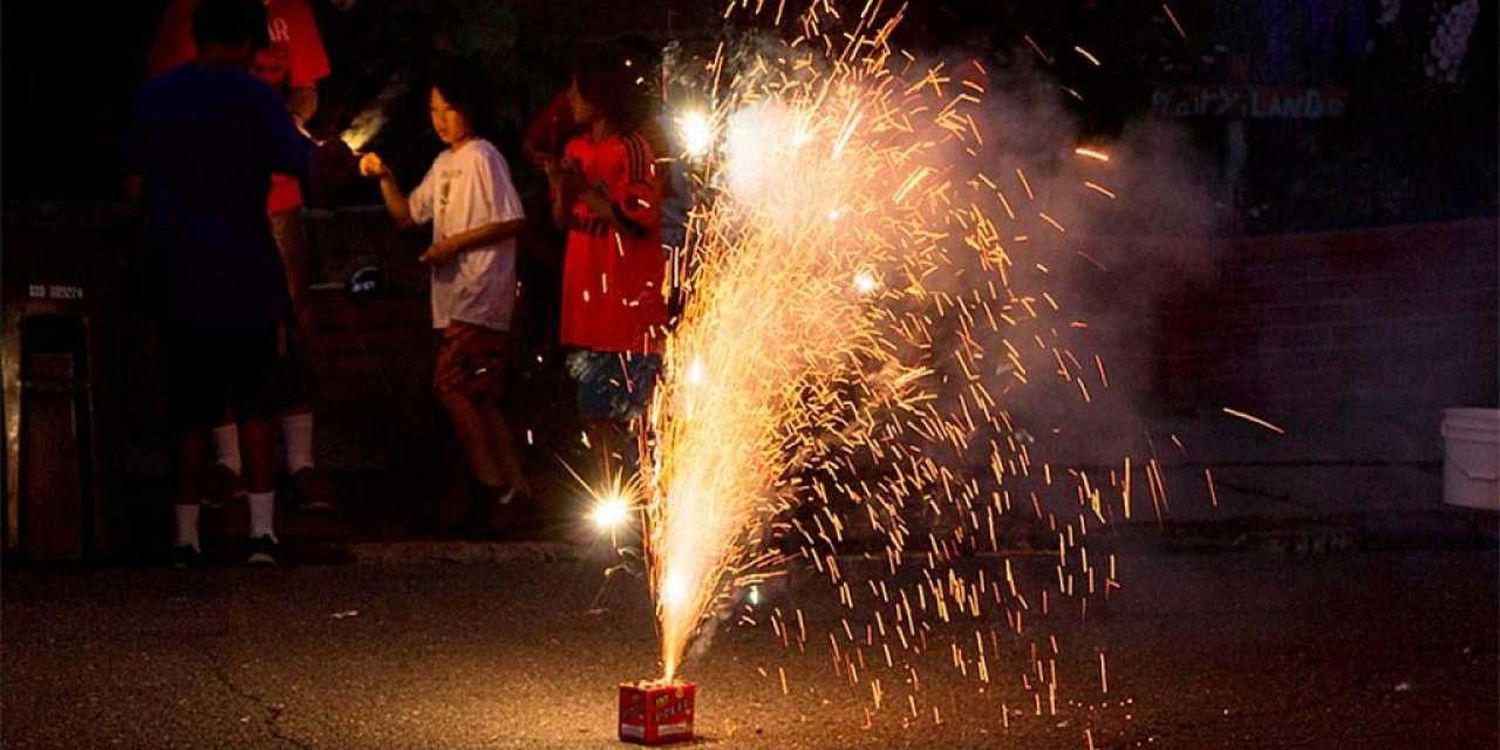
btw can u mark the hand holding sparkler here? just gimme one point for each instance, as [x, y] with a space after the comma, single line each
[596, 202]
[371, 165]
[564, 175]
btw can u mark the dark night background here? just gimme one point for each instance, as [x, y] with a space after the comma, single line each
[1351, 251]
[1344, 284]
[1411, 148]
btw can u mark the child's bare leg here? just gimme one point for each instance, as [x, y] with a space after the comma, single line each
[474, 435]
[258, 447]
[607, 437]
[503, 444]
[192, 454]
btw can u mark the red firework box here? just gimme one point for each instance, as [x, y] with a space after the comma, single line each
[656, 713]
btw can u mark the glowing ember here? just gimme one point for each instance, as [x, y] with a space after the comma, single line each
[611, 512]
[697, 134]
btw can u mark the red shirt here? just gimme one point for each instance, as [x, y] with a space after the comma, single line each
[612, 282]
[295, 59]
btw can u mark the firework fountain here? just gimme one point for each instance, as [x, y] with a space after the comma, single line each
[867, 300]
[838, 202]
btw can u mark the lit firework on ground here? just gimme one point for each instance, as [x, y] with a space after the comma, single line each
[862, 309]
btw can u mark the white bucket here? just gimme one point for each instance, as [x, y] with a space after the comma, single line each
[1471, 458]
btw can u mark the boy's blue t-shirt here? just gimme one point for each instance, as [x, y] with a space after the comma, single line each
[205, 141]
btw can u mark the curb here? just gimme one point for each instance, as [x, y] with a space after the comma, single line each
[459, 552]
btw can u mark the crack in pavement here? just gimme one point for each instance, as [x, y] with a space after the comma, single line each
[273, 711]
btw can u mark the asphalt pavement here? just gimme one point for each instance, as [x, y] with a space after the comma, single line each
[1346, 649]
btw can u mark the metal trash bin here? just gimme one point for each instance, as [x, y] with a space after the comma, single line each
[60, 274]
[54, 518]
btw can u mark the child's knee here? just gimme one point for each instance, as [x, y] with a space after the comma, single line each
[449, 395]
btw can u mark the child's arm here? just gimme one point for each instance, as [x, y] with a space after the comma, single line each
[488, 234]
[559, 179]
[371, 165]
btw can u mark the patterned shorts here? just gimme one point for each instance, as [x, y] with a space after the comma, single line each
[613, 385]
[471, 361]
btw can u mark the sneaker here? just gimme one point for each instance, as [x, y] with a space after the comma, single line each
[186, 556]
[264, 550]
[220, 485]
[507, 515]
[312, 491]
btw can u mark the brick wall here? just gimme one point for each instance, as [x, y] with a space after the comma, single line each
[1355, 341]
[1352, 341]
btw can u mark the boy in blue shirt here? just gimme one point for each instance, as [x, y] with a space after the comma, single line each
[200, 152]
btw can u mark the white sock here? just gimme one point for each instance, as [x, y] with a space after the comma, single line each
[187, 526]
[263, 514]
[297, 429]
[227, 446]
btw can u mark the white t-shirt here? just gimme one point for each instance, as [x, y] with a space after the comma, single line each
[466, 189]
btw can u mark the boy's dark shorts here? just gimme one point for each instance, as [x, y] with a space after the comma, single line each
[471, 361]
[613, 385]
[212, 371]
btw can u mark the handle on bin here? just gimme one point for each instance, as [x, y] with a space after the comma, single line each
[1478, 476]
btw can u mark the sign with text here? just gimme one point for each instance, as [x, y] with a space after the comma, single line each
[1252, 102]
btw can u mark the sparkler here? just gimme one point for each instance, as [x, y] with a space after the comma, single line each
[368, 122]
[611, 512]
[363, 127]
[697, 134]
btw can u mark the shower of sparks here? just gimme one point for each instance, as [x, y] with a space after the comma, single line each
[865, 308]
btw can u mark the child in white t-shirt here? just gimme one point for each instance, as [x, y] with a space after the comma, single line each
[476, 215]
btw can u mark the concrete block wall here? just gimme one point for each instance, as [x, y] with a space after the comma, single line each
[1353, 341]
[1358, 338]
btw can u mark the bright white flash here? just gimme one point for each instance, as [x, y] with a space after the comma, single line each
[611, 512]
[673, 589]
[697, 135]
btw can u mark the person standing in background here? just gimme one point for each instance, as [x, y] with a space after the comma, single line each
[606, 192]
[468, 197]
[202, 145]
[291, 63]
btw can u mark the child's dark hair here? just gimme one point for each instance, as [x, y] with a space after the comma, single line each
[231, 22]
[467, 91]
[612, 88]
